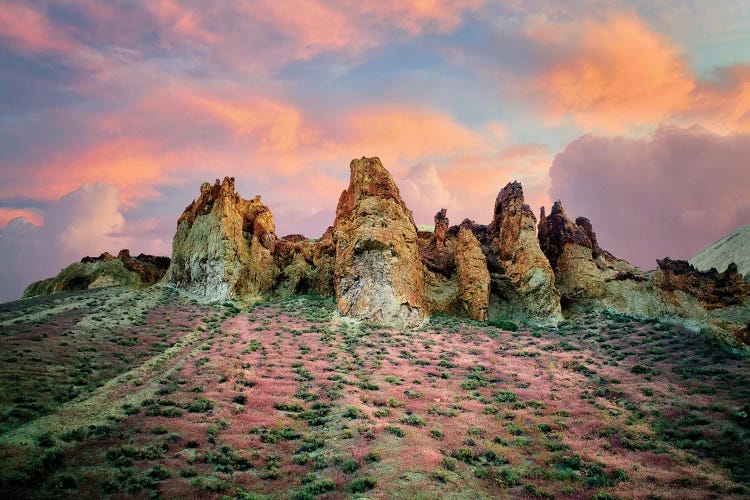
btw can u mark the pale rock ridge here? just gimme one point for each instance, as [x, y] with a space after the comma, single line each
[104, 270]
[734, 247]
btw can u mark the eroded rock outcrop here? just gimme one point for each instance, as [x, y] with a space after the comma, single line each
[590, 278]
[712, 288]
[223, 246]
[306, 266]
[472, 275]
[378, 271]
[104, 270]
[523, 282]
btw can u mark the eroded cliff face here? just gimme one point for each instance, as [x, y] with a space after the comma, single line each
[223, 246]
[378, 271]
[472, 275]
[104, 270]
[591, 279]
[523, 283]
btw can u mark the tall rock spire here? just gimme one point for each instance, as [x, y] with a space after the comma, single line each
[378, 273]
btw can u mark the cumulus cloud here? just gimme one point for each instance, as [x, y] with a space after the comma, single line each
[83, 222]
[613, 74]
[424, 193]
[670, 194]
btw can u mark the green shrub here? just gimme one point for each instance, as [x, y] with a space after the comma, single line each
[350, 467]
[414, 420]
[396, 431]
[202, 405]
[506, 396]
[362, 484]
[503, 324]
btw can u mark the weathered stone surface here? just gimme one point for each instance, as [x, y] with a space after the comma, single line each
[441, 228]
[104, 270]
[306, 266]
[83, 275]
[472, 275]
[523, 283]
[712, 288]
[149, 268]
[437, 249]
[590, 278]
[378, 271]
[222, 248]
[556, 231]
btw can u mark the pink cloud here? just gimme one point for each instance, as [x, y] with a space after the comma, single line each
[399, 131]
[670, 194]
[31, 31]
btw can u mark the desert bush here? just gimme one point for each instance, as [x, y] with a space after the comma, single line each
[414, 420]
[202, 405]
[503, 324]
[362, 484]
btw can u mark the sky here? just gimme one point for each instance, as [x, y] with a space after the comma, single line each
[112, 113]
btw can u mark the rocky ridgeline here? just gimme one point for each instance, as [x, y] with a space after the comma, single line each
[381, 269]
[105, 270]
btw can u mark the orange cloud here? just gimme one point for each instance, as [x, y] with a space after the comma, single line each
[724, 103]
[277, 125]
[393, 131]
[130, 164]
[616, 74]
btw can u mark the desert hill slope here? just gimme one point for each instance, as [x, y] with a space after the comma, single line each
[121, 393]
[734, 247]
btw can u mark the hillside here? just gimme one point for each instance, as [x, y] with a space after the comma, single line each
[734, 247]
[116, 392]
[506, 360]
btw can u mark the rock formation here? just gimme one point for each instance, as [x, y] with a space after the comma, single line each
[382, 270]
[590, 278]
[523, 283]
[378, 271]
[223, 246]
[306, 267]
[104, 270]
[472, 275]
[712, 288]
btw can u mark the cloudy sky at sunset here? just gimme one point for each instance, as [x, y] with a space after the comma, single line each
[635, 114]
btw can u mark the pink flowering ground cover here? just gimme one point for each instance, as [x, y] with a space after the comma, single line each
[286, 400]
